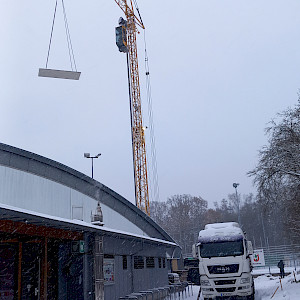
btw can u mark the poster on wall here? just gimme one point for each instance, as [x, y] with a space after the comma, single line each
[108, 270]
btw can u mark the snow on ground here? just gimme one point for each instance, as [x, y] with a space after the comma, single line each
[272, 270]
[192, 295]
[265, 286]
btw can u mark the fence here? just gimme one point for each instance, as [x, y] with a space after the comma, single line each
[290, 254]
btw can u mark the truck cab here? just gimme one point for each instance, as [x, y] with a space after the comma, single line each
[224, 262]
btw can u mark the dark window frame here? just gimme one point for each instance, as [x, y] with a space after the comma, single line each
[125, 262]
[138, 262]
[150, 262]
[159, 262]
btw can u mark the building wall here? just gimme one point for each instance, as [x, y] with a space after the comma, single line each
[35, 193]
[131, 279]
[35, 183]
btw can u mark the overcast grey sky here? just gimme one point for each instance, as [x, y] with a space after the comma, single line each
[220, 70]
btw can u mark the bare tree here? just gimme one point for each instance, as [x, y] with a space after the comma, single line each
[277, 175]
[226, 209]
[182, 216]
[159, 212]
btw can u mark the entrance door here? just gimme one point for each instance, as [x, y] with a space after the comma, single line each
[31, 270]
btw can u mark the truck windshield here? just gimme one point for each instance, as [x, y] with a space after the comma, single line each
[220, 249]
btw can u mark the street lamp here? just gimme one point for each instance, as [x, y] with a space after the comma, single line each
[235, 185]
[88, 155]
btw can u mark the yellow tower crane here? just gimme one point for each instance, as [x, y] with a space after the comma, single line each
[126, 41]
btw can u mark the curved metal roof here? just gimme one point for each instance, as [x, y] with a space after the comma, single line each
[41, 166]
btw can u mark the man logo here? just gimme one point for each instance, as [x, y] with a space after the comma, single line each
[223, 269]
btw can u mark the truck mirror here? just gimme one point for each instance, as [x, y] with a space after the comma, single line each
[195, 251]
[250, 248]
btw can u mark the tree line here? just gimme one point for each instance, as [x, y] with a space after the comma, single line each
[183, 216]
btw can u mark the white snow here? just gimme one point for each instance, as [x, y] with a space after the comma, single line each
[222, 225]
[221, 229]
[272, 270]
[192, 293]
[265, 286]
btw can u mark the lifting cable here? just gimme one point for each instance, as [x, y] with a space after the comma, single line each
[51, 34]
[151, 127]
[137, 9]
[68, 35]
[70, 47]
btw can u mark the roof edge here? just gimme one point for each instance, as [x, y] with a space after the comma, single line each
[93, 185]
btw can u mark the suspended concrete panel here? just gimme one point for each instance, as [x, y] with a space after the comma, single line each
[59, 74]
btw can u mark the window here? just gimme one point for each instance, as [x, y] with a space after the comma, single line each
[124, 262]
[222, 249]
[150, 262]
[77, 213]
[159, 262]
[138, 262]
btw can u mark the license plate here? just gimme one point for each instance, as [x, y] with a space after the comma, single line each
[226, 294]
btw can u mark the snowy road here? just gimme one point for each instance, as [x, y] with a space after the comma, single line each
[265, 287]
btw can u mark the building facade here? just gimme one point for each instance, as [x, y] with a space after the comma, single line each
[50, 249]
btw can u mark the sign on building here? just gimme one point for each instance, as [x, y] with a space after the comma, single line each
[109, 270]
[258, 258]
[77, 247]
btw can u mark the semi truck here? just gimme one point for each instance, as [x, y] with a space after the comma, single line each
[224, 262]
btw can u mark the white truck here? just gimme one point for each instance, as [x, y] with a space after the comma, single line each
[224, 262]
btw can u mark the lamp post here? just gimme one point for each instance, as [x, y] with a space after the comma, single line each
[88, 155]
[235, 185]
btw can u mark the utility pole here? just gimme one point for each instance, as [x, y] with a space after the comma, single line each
[235, 185]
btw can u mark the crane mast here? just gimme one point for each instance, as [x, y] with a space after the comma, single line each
[137, 129]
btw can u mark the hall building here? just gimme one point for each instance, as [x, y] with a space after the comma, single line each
[64, 235]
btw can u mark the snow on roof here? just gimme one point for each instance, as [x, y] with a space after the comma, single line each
[222, 225]
[221, 231]
[84, 224]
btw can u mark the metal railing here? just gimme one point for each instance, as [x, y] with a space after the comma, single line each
[290, 254]
[170, 292]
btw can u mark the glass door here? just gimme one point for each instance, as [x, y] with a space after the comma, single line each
[31, 270]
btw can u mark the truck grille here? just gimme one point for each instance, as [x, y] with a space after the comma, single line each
[223, 269]
[225, 290]
[222, 282]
